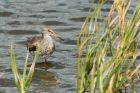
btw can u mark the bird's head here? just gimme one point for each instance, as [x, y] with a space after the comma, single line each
[50, 32]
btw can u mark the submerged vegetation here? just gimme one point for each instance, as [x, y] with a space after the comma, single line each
[107, 51]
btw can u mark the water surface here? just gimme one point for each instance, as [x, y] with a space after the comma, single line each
[20, 19]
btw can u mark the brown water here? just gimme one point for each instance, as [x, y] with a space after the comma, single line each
[20, 19]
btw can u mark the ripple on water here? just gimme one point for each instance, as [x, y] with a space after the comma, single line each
[4, 46]
[62, 4]
[86, 9]
[82, 19]
[107, 2]
[14, 23]
[78, 19]
[6, 82]
[6, 14]
[70, 42]
[50, 11]
[22, 32]
[37, 16]
[68, 29]
[22, 42]
[58, 23]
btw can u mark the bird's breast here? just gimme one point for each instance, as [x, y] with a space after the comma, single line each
[48, 44]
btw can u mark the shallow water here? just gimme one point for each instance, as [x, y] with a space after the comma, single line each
[26, 18]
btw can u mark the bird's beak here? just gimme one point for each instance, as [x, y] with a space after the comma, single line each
[60, 38]
[57, 36]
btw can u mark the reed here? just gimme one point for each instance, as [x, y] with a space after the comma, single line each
[22, 81]
[109, 49]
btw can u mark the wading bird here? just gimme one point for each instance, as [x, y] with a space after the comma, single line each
[45, 43]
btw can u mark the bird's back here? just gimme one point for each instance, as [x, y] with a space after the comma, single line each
[46, 45]
[32, 43]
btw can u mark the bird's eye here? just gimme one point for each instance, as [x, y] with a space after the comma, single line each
[49, 30]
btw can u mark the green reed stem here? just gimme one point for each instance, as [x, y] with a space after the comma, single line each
[98, 71]
[23, 81]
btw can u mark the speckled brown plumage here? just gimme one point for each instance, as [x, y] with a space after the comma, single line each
[31, 43]
[45, 42]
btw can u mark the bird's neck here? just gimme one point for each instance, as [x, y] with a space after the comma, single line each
[48, 39]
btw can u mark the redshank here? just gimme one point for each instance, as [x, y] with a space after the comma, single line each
[44, 42]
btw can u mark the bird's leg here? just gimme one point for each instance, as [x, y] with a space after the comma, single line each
[45, 63]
